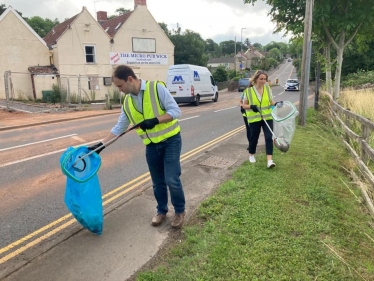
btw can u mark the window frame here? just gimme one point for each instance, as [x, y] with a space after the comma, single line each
[94, 54]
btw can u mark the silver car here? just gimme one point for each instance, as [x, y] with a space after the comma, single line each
[291, 85]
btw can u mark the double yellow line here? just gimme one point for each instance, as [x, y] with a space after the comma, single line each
[107, 198]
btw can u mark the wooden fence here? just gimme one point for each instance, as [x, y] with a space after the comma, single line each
[356, 132]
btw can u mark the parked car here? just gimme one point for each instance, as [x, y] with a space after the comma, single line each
[243, 84]
[291, 85]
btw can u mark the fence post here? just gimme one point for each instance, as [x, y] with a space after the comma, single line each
[6, 84]
[79, 90]
[348, 123]
[68, 97]
[365, 137]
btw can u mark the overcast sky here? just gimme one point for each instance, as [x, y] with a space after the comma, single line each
[219, 20]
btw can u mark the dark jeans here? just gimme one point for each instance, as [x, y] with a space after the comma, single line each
[247, 128]
[255, 129]
[164, 166]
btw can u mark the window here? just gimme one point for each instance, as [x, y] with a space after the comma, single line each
[107, 81]
[90, 54]
[93, 83]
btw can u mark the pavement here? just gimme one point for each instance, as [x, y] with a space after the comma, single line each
[129, 243]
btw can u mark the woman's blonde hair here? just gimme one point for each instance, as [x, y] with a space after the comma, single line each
[256, 75]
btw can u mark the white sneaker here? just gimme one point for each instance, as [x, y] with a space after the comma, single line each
[271, 164]
[252, 159]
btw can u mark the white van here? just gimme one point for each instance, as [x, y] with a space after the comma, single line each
[191, 84]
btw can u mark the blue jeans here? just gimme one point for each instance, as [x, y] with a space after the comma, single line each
[164, 166]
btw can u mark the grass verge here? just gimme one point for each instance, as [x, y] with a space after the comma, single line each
[303, 220]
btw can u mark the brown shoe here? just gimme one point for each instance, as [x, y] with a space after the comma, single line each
[178, 220]
[158, 219]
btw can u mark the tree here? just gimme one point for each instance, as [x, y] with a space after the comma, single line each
[275, 54]
[164, 27]
[342, 21]
[335, 24]
[258, 46]
[212, 49]
[220, 74]
[122, 11]
[119, 12]
[42, 26]
[247, 43]
[228, 47]
[189, 47]
[3, 8]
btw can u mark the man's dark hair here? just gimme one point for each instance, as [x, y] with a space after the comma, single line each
[123, 72]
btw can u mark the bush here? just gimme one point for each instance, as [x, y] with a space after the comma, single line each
[359, 78]
[220, 75]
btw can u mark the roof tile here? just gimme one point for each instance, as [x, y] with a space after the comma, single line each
[56, 32]
[112, 26]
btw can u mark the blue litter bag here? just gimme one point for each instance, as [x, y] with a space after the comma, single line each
[83, 193]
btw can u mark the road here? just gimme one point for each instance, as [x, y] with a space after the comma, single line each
[32, 210]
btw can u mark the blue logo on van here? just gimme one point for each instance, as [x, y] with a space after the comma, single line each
[196, 76]
[178, 80]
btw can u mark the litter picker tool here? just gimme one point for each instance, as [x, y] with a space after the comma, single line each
[81, 158]
[279, 143]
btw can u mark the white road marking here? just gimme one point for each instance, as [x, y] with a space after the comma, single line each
[31, 143]
[225, 109]
[61, 150]
[189, 118]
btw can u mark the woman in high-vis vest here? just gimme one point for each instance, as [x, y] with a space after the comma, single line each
[150, 105]
[258, 102]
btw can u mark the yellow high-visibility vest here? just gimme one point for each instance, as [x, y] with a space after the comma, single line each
[151, 109]
[264, 106]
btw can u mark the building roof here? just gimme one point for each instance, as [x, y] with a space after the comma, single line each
[222, 60]
[113, 25]
[11, 10]
[49, 69]
[56, 32]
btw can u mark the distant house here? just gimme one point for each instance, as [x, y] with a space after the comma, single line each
[21, 48]
[228, 62]
[239, 62]
[244, 61]
[254, 55]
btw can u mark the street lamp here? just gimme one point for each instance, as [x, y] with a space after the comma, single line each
[241, 47]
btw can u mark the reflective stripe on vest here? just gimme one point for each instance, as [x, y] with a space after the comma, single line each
[151, 108]
[253, 99]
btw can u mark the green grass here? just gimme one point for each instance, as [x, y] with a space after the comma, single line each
[302, 220]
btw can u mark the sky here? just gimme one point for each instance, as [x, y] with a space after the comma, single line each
[219, 20]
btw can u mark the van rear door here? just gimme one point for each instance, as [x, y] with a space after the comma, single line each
[179, 84]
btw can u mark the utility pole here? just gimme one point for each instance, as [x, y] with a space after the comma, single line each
[241, 48]
[305, 62]
[235, 53]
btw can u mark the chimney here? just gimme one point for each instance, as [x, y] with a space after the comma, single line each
[140, 3]
[102, 16]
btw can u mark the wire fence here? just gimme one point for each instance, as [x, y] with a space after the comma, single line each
[63, 89]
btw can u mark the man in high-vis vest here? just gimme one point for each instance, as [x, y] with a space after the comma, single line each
[150, 105]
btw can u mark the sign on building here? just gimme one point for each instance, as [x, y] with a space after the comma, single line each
[138, 58]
